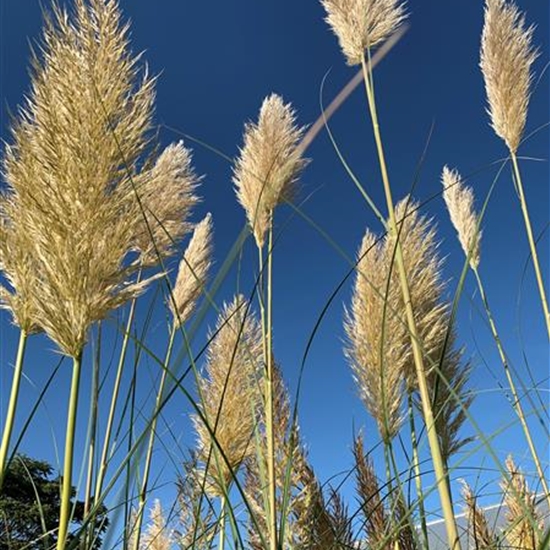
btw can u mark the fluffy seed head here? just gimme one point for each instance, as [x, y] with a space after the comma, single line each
[167, 194]
[229, 394]
[479, 532]
[269, 164]
[71, 167]
[506, 58]
[157, 536]
[523, 519]
[362, 24]
[378, 342]
[460, 203]
[18, 268]
[193, 271]
[376, 337]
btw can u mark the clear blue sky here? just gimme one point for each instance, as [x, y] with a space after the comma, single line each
[217, 61]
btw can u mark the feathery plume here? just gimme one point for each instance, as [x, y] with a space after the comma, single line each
[193, 271]
[378, 343]
[167, 196]
[377, 339]
[269, 164]
[18, 268]
[523, 519]
[362, 24]
[157, 536]
[198, 525]
[506, 58]
[447, 373]
[229, 394]
[478, 528]
[376, 524]
[71, 166]
[459, 199]
[450, 396]
[309, 524]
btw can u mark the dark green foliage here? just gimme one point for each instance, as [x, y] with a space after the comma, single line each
[29, 508]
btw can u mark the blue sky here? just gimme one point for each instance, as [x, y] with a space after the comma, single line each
[217, 61]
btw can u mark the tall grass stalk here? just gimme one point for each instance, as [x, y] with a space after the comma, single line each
[12, 405]
[266, 298]
[92, 431]
[151, 443]
[516, 401]
[66, 488]
[417, 473]
[221, 542]
[104, 460]
[435, 449]
[532, 244]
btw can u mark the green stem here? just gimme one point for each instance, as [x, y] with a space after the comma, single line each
[417, 472]
[435, 449]
[516, 403]
[269, 398]
[92, 430]
[531, 239]
[66, 490]
[114, 398]
[151, 444]
[12, 405]
[221, 542]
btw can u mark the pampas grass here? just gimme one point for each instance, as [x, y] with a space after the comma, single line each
[362, 24]
[460, 203]
[92, 210]
[193, 271]
[506, 55]
[269, 164]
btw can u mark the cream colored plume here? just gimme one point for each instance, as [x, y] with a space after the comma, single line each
[524, 522]
[158, 535]
[481, 536]
[506, 58]
[460, 203]
[167, 195]
[267, 169]
[72, 172]
[193, 272]
[229, 394]
[378, 343]
[362, 24]
[18, 268]
[377, 340]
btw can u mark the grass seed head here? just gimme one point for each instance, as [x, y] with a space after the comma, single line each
[193, 272]
[269, 164]
[362, 24]
[460, 203]
[229, 393]
[506, 58]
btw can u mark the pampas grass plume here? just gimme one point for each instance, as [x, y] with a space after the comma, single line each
[506, 58]
[229, 393]
[269, 164]
[167, 194]
[193, 271]
[523, 519]
[460, 204]
[478, 527]
[362, 24]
